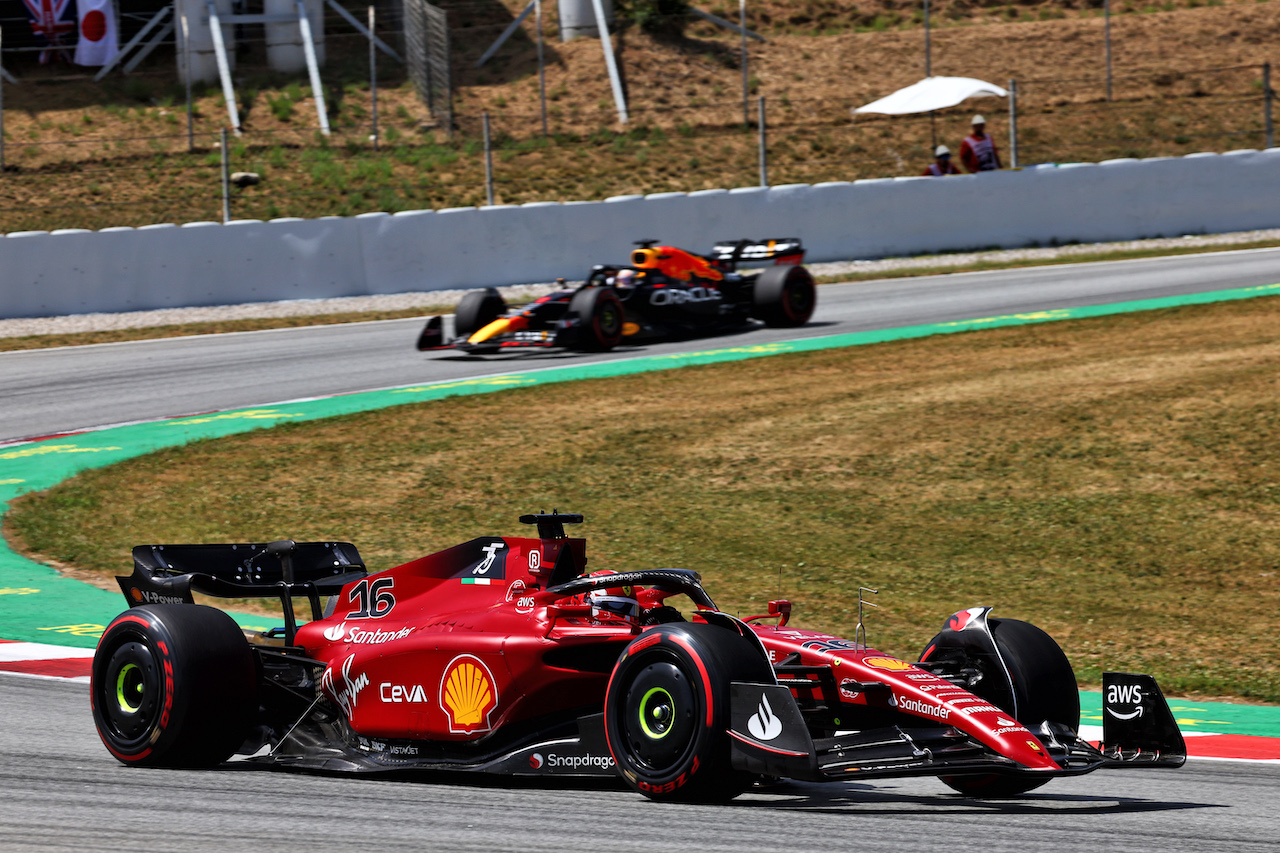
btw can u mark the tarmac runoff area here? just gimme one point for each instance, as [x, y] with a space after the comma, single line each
[76, 323]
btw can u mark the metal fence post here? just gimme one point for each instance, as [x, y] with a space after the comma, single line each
[373, 76]
[1106, 12]
[226, 180]
[764, 160]
[488, 162]
[1267, 97]
[186, 64]
[1, 105]
[742, 23]
[313, 67]
[542, 72]
[928, 46]
[1013, 123]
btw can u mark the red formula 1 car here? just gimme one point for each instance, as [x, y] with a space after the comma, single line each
[665, 292]
[501, 656]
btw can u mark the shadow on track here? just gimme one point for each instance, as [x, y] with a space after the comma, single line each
[556, 354]
[870, 800]
[800, 797]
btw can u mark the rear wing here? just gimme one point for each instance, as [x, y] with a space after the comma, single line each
[170, 574]
[782, 250]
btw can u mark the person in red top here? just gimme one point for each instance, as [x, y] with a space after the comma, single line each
[978, 151]
[941, 164]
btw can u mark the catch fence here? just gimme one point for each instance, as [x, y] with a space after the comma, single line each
[148, 157]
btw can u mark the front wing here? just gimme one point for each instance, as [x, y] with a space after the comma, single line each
[768, 735]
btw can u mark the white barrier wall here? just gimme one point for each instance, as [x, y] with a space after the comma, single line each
[202, 263]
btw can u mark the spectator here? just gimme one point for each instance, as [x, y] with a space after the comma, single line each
[978, 151]
[941, 164]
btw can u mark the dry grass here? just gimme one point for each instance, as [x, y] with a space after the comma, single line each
[1114, 480]
[687, 131]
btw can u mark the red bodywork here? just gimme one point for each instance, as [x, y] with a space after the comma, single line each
[460, 643]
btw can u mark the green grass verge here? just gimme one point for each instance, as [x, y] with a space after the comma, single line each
[1113, 480]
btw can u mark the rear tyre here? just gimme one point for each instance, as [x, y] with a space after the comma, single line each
[1044, 688]
[784, 296]
[666, 711]
[601, 314]
[173, 685]
[478, 309]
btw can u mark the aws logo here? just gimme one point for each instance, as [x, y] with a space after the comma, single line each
[468, 694]
[1125, 694]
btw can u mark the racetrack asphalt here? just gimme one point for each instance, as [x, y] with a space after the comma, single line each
[67, 389]
[60, 790]
[63, 791]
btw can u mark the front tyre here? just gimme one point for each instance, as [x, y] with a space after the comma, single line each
[784, 296]
[477, 309]
[173, 685]
[601, 317]
[666, 711]
[1044, 688]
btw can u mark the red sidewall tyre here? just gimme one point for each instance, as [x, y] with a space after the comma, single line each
[173, 685]
[784, 296]
[667, 711]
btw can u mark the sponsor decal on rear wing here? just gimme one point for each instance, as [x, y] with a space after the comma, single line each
[780, 250]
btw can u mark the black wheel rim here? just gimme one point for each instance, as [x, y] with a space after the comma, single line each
[798, 299]
[609, 320]
[659, 718]
[129, 693]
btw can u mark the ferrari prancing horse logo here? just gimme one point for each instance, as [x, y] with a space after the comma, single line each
[468, 695]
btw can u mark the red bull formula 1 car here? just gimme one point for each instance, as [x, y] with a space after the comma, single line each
[665, 292]
[502, 656]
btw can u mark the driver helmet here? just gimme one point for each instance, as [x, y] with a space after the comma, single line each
[614, 604]
[625, 278]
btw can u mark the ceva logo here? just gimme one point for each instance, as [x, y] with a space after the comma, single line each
[335, 633]
[763, 725]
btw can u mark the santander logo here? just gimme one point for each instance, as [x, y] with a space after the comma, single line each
[763, 725]
[335, 633]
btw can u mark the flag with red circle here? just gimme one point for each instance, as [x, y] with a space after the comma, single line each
[99, 39]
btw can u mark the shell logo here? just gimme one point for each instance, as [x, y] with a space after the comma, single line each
[468, 694]
[887, 663]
